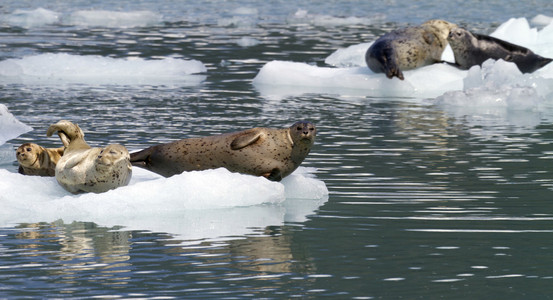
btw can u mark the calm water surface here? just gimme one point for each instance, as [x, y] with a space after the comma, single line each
[426, 201]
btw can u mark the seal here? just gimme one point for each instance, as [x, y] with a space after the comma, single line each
[471, 49]
[86, 169]
[269, 152]
[36, 160]
[408, 48]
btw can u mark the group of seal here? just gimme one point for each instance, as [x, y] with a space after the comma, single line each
[76, 166]
[268, 152]
[413, 47]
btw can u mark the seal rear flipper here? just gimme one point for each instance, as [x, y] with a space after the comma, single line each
[142, 158]
[245, 139]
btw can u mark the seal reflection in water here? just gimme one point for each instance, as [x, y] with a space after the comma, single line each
[36, 160]
[268, 152]
[86, 169]
[471, 49]
[408, 48]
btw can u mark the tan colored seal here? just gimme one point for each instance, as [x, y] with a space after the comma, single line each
[408, 48]
[86, 169]
[36, 160]
[268, 152]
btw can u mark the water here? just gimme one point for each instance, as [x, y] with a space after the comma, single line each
[428, 197]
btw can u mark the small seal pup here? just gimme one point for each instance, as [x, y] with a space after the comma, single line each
[408, 48]
[86, 169]
[471, 49]
[36, 160]
[272, 153]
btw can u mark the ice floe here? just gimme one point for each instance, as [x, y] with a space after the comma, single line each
[105, 18]
[85, 18]
[347, 74]
[62, 68]
[302, 16]
[31, 18]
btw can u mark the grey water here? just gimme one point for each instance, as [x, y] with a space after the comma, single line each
[425, 201]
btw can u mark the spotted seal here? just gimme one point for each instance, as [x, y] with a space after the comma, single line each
[471, 49]
[36, 160]
[86, 169]
[408, 48]
[272, 153]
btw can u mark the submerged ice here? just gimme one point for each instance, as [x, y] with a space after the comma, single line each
[347, 73]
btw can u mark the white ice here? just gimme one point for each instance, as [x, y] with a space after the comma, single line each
[62, 68]
[84, 18]
[105, 18]
[302, 16]
[10, 126]
[193, 205]
[31, 18]
[348, 75]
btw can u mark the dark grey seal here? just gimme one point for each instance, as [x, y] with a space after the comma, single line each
[408, 48]
[471, 49]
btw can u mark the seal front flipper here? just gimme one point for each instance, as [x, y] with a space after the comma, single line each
[275, 175]
[381, 58]
[245, 139]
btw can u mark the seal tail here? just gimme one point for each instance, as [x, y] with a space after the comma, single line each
[70, 131]
[142, 158]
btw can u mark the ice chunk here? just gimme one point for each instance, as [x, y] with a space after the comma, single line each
[247, 42]
[10, 126]
[499, 84]
[106, 18]
[220, 202]
[352, 56]
[542, 20]
[301, 16]
[67, 68]
[278, 79]
[31, 18]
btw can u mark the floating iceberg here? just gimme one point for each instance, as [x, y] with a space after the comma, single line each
[64, 68]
